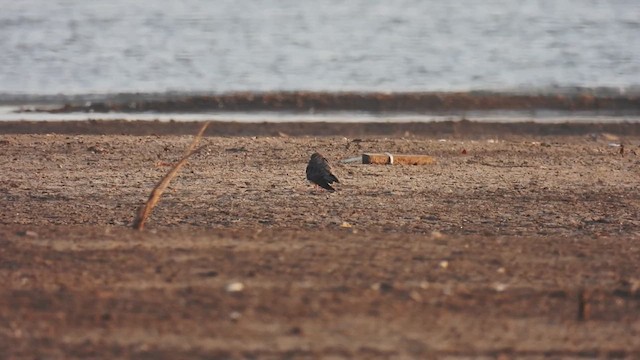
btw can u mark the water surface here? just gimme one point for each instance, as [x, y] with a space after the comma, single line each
[82, 47]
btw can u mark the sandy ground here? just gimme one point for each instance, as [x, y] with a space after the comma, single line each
[526, 246]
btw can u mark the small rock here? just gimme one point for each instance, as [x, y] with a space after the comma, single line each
[28, 233]
[235, 316]
[382, 287]
[96, 149]
[499, 287]
[345, 225]
[444, 264]
[415, 296]
[234, 287]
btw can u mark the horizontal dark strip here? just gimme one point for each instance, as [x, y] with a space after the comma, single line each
[464, 128]
[305, 101]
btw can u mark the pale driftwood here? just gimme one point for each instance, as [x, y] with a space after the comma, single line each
[145, 210]
[393, 159]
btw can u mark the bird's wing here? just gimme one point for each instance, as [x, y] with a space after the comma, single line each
[319, 172]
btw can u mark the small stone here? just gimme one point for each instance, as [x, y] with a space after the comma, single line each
[96, 149]
[444, 264]
[382, 287]
[499, 287]
[28, 233]
[345, 225]
[234, 287]
[415, 296]
[235, 316]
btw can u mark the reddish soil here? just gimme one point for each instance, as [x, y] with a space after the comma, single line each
[526, 246]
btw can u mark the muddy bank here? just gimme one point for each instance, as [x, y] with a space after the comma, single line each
[506, 247]
[456, 129]
[495, 186]
[304, 101]
[102, 292]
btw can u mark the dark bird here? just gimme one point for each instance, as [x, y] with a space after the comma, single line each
[319, 172]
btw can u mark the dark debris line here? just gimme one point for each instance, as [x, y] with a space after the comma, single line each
[375, 102]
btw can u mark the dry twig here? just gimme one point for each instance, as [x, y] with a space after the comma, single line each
[145, 210]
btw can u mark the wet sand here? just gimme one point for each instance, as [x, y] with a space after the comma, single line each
[520, 242]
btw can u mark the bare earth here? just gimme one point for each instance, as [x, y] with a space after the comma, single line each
[524, 247]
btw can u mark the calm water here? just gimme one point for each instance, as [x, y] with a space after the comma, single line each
[79, 47]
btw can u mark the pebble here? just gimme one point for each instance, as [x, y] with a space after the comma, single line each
[234, 287]
[499, 287]
[235, 316]
[382, 287]
[415, 296]
[28, 233]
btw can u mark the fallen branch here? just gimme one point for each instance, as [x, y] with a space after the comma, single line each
[145, 210]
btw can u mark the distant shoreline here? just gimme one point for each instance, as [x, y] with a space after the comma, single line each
[440, 129]
[598, 101]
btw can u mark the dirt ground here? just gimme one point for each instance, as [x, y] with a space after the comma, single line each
[510, 246]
